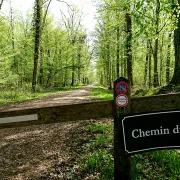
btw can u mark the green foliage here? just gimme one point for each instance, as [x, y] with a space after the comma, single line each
[98, 158]
[64, 54]
[102, 139]
[111, 36]
[102, 93]
[162, 164]
[169, 159]
[97, 129]
[99, 161]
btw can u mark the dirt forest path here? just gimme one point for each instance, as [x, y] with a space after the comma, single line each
[47, 151]
[77, 96]
[44, 152]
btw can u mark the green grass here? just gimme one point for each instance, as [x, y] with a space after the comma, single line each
[99, 161]
[21, 95]
[99, 158]
[100, 128]
[102, 93]
[106, 94]
[162, 164]
[154, 165]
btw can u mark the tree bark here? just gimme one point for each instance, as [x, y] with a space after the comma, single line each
[176, 76]
[146, 65]
[168, 59]
[129, 48]
[73, 71]
[15, 63]
[117, 49]
[155, 54]
[161, 63]
[41, 70]
[1, 3]
[150, 67]
[79, 64]
[36, 42]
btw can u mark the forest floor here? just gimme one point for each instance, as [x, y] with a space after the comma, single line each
[44, 152]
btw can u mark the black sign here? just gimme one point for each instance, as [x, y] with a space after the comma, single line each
[151, 131]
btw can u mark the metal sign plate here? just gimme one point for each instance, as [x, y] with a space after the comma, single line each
[31, 117]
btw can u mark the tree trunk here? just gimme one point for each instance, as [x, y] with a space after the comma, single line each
[155, 54]
[168, 59]
[146, 65]
[41, 70]
[176, 76]
[15, 63]
[122, 62]
[65, 74]
[79, 64]
[124, 65]
[108, 61]
[73, 71]
[150, 67]
[36, 42]
[129, 48]
[117, 49]
[156, 79]
[161, 63]
[1, 3]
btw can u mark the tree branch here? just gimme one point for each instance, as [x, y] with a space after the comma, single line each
[65, 3]
[44, 18]
[1, 4]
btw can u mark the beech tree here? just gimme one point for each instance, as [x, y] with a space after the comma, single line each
[37, 36]
[176, 76]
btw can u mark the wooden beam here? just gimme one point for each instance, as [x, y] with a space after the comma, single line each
[155, 103]
[91, 110]
[85, 111]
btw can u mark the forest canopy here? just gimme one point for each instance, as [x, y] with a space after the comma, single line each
[37, 51]
[136, 39]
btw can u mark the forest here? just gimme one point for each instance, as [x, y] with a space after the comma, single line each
[37, 52]
[136, 39]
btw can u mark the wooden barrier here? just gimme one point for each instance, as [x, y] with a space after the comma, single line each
[85, 111]
[91, 110]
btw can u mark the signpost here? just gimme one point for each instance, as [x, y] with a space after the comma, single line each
[121, 107]
[141, 132]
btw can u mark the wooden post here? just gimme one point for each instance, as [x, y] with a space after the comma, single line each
[121, 107]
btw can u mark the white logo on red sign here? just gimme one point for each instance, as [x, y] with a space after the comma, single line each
[122, 100]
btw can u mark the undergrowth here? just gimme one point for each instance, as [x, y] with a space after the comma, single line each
[136, 91]
[98, 159]
[102, 93]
